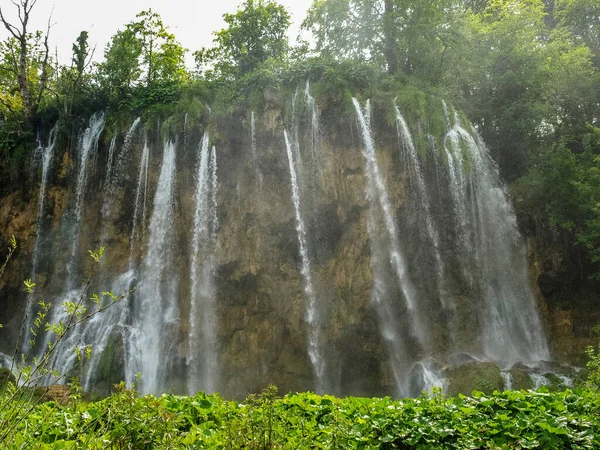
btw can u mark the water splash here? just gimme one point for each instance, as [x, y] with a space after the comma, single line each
[508, 381]
[424, 376]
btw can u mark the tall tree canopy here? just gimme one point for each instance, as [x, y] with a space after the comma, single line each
[415, 37]
[255, 33]
[143, 53]
[25, 61]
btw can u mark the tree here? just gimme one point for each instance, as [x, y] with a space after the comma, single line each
[409, 36]
[144, 52]
[582, 18]
[81, 52]
[121, 67]
[255, 33]
[28, 58]
[161, 54]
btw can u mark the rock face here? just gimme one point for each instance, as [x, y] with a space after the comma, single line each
[481, 376]
[254, 284]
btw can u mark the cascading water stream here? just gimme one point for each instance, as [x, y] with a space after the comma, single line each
[405, 138]
[115, 323]
[64, 355]
[185, 131]
[257, 171]
[109, 163]
[386, 248]
[312, 313]
[202, 358]
[140, 202]
[124, 153]
[115, 174]
[47, 153]
[315, 130]
[88, 146]
[378, 193]
[157, 297]
[512, 329]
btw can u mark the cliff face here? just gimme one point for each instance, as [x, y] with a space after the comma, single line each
[253, 303]
[568, 297]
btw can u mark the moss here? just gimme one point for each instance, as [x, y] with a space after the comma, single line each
[6, 376]
[109, 370]
[556, 383]
[480, 376]
[521, 379]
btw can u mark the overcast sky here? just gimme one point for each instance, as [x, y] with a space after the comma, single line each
[192, 21]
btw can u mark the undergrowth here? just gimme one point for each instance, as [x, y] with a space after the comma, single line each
[512, 419]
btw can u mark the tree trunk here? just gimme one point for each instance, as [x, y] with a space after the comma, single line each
[390, 37]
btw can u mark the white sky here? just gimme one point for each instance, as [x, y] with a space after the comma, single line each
[192, 21]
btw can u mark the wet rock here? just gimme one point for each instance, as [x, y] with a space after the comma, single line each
[479, 376]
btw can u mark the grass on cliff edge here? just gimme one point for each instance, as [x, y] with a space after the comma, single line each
[511, 419]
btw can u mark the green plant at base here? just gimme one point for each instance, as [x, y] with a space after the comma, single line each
[593, 365]
[19, 397]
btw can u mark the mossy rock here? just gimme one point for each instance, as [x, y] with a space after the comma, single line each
[521, 379]
[5, 376]
[556, 383]
[109, 369]
[476, 376]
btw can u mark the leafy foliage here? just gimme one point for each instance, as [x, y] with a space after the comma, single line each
[143, 55]
[254, 34]
[30, 379]
[512, 419]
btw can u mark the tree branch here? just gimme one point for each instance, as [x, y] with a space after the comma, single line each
[10, 27]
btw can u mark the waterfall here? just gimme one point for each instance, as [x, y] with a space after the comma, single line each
[109, 163]
[495, 254]
[115, 323]
[430, 251]
[112, 181]
[257, 171]
[377, 192]
[64, 356]
[157, 298]
[202, 358]
[87, 147]
[385, 248]
[140, 201]
[312, 313]
[405, 138]
[315, 129]
[47, 153]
